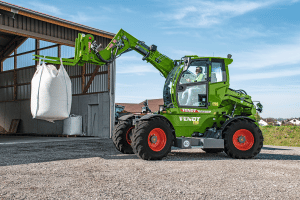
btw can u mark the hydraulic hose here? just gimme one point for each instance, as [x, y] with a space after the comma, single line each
[112, 55]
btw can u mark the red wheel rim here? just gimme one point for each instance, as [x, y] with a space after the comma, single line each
[157, 139]
[243, 139]
[127, 135]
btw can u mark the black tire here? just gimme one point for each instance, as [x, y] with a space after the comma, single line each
[141, 139]
[238, 150]
[213, 150]
[120, 141]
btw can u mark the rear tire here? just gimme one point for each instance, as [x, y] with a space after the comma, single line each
[242, 139]
[213, 150]
[121, 137]
[152, 139]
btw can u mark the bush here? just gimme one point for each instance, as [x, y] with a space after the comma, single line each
[281, 135]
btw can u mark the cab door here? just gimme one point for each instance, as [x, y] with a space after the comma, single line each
[192, 88]
[192, 99]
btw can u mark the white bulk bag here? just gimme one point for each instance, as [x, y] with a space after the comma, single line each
[73, 125]
[51, 93]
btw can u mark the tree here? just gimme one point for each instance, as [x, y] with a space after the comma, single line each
[257, 117]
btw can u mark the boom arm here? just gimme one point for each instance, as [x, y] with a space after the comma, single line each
[86, 51]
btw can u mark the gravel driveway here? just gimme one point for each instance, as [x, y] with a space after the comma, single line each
[89, 168]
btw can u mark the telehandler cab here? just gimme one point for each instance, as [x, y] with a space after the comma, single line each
[200, 110]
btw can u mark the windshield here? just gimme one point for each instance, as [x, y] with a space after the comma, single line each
[196, 72]
[168, 86]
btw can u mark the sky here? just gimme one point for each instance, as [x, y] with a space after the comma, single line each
[263, 37]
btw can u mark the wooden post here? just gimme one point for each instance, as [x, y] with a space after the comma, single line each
[108, 76]
[15, 75]
[83, 78]
[58, 54]
[37, 52]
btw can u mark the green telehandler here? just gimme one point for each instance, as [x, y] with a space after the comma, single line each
[199, 111]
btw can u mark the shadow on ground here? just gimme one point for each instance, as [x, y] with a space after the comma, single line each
[274, 148]
[16, 154]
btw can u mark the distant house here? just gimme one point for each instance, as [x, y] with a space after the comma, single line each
[136, 108]
[277, 123]
[295, 122]
[262, 123]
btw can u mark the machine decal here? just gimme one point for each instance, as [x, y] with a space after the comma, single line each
[215, 104]
[192, 119]
[89, 45]
[186, 143]
[196, 123]
[195, 111]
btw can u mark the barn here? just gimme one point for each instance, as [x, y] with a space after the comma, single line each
[24, 32]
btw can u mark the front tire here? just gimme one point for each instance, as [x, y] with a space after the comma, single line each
[121, 137]
[242, 139]
[152, 139]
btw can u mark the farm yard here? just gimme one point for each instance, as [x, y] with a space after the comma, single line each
[91, 168]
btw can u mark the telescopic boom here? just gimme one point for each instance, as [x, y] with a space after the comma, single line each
[87, 51]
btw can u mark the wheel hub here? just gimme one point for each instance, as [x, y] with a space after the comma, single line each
[153, 139]
[241, 139]
[157, 139]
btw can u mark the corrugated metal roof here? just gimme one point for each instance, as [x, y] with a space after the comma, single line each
[54, 18]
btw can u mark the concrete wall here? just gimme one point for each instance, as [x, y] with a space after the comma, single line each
[80, 106]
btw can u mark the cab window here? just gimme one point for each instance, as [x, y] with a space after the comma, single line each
[217, 74]
[197, 72]
[192, 88]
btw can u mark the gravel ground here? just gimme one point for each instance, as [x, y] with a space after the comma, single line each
[86, 168]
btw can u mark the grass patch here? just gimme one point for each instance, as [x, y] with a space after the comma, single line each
[281, 135]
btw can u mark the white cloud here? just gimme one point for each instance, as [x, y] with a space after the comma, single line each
[118, 85]
[266, 75]
[263, 56]
[78, 17]
[195, 13]
[137, 69]
[127, 57]
[206, 13]
[278, 105]
[275, 88]
[42, 7]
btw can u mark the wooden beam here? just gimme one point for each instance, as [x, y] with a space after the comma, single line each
[89, 93]
[91, 79]
[108, 79]
[83, 77]
[9, 45]
[13, 100]
[15, 76]
[64, 24]
[58, 54]
[37, 51]
[16, 43]
[90, 74]
[20, 84]
[8, 71]
[38, 36]
[6, 37]
[49, 47]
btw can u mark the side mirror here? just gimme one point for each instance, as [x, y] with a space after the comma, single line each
[187, 61]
